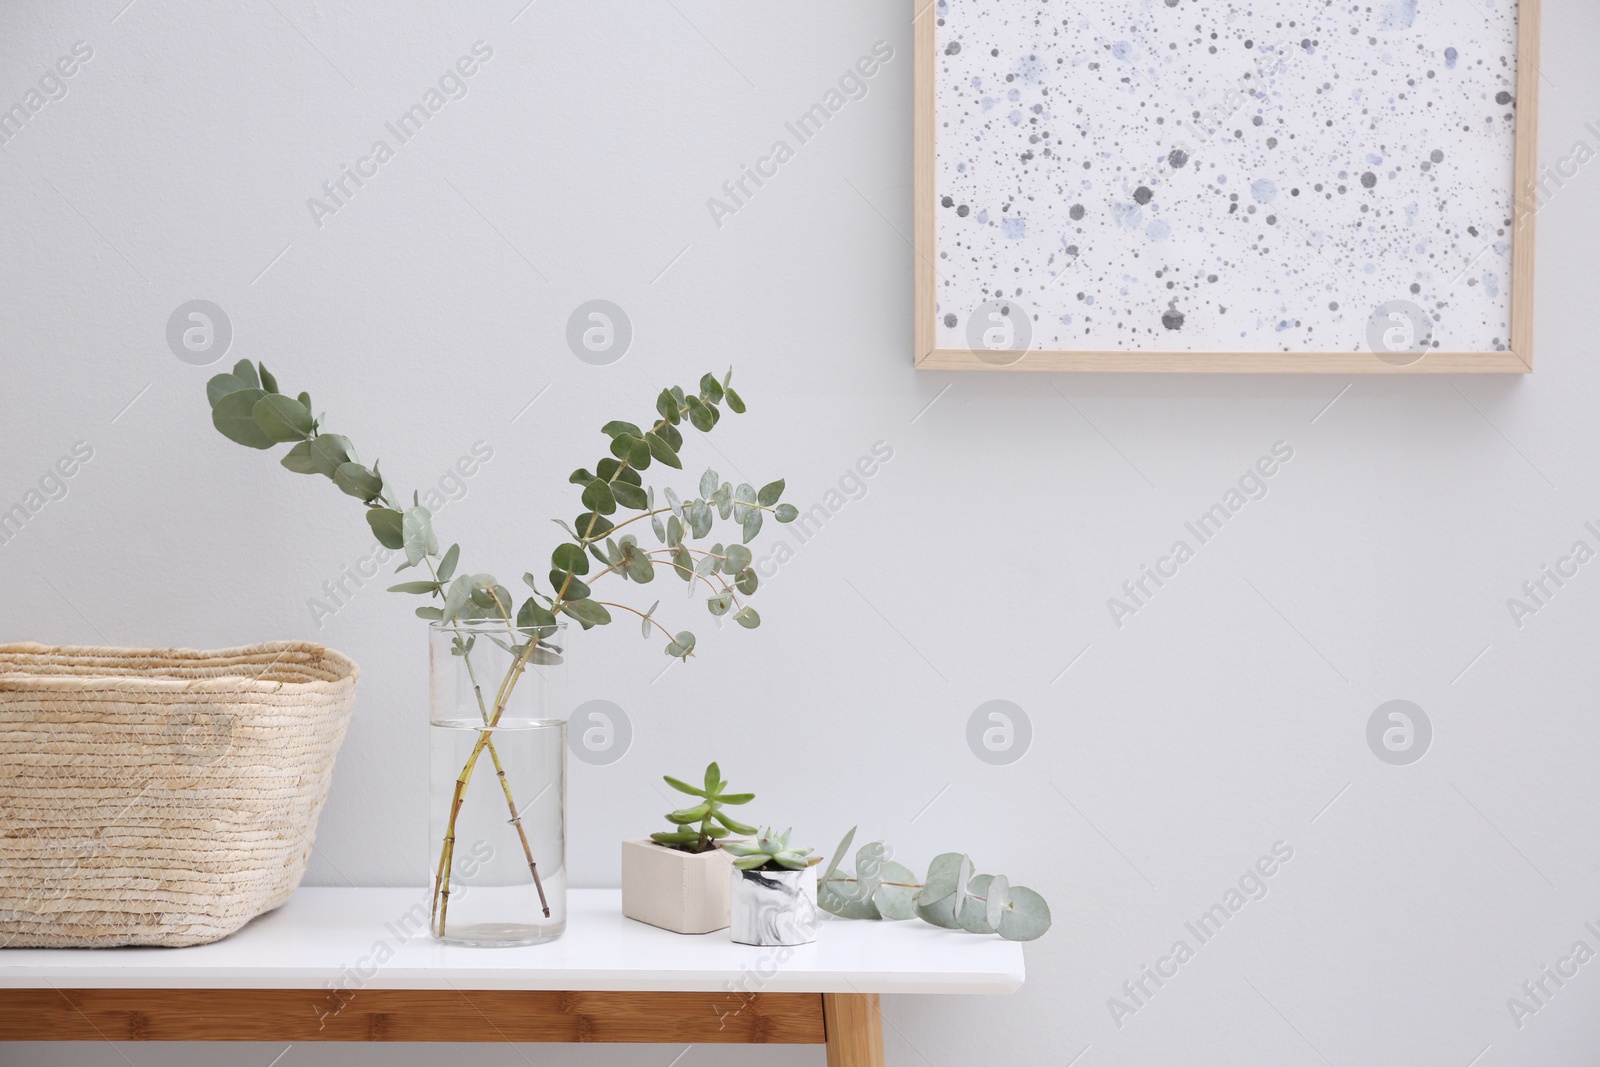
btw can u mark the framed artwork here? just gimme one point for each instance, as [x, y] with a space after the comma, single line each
[1198, 185]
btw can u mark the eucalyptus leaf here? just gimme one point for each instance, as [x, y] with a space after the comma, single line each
[416, 587]
[571, 558]
[700, 519]
[387, 526]
[944, 877]
[640, 567]
[597, 496]
[723, 499]
[432, 614]
[747, 617]
[940, 912]
[616, 428]
[532, 616]
[896, 895]
[786, 513]
[736, 558]
[268, 382]
[300, 460]
[663, 451]
[587, 612]
[735, 401]
[629, 496]
[234, 418]
[329, 452]
[996, 899]
[1026, 915]
[719, 604]
[708, 482]
[683, 563]
[223, 384]
[837, 898]
[658, 528]
[245, 371]
[667, 406]
[568, 587]
[447, 566]
[701, 418]
[869, 867]
[592, 524]
[752, 524]
[457, 598]
[746, 581]
[674, 532]
[972, 913]
[770, 493]
[358, 481]
[282, 418]
[681, 646]
[711, 389]
[838, 854]
[420, 540]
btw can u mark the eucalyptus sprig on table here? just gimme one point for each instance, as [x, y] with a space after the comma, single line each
[247, 407]
[953, 895]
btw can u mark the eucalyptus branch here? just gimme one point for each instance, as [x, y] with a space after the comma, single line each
[953, 895]
[248, 408]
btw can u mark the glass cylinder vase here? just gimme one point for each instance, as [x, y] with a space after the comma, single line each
[497, 783]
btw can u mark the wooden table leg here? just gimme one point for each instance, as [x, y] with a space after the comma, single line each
[854, 1028]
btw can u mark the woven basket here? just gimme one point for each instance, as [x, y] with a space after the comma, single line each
[160, 796]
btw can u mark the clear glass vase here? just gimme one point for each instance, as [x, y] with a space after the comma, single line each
[497, 784]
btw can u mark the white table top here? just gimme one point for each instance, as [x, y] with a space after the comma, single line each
[323, 935]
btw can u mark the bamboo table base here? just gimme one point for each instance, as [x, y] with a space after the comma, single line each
[849, 1024]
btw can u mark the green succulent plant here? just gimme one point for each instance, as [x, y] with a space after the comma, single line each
[770, 851]
[715, 823]
[953, 895]
[248, 408]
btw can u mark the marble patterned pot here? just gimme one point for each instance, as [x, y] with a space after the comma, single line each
[774, 907]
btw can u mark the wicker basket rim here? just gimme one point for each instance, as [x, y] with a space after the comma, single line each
[346, 668]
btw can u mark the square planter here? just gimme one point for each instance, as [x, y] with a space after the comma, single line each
[774, 907]
[684, 892]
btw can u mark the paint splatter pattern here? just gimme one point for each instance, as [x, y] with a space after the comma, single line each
[1252, 176]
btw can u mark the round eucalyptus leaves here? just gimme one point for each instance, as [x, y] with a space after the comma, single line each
[248, 408]
[953, 895]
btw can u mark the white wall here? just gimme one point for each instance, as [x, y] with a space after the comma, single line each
[1223, 717]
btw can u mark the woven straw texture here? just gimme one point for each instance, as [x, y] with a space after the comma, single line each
[160, 796]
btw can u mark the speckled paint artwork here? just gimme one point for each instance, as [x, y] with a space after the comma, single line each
[1224, 175]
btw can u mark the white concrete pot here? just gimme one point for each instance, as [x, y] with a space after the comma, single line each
[774, 907]
[684, 892]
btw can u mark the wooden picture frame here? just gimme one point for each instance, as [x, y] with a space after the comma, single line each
[1514, 356]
